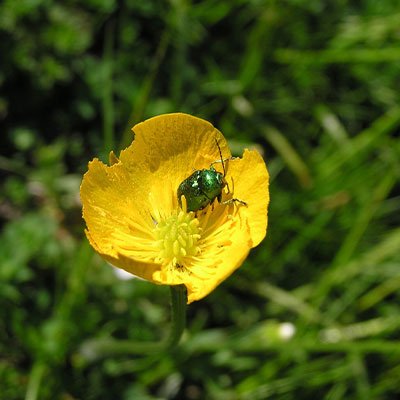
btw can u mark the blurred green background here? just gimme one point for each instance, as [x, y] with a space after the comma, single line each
[314, 312]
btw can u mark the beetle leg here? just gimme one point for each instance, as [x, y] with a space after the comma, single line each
[225, 159]
[230, 201]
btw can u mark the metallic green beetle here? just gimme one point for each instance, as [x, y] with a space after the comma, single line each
[204, 186]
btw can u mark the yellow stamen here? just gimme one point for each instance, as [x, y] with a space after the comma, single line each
[178, 236]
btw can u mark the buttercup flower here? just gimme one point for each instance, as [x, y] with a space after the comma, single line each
[133, 216]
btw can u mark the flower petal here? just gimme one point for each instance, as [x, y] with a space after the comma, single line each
[120, 228]
[251, 181]
[225, 249]
[112, 158]
[170, 146]
[141, 269]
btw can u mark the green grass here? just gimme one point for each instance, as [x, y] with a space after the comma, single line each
[313, 85]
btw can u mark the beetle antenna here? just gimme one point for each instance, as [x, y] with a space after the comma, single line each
[220, 154]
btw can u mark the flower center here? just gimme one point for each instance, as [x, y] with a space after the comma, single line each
[177, 237]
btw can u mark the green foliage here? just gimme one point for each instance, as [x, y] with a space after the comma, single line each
[313, 85]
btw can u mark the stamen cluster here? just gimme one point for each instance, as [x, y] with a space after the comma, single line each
[177, 237]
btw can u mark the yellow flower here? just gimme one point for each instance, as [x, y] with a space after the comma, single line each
[133, 216]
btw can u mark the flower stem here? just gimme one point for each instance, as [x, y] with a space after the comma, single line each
[178, 315]
[98, 348]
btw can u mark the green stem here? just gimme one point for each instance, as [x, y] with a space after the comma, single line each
[178, 316]
[35, 378]
[145, 89]
[107, 98]
[98, 348]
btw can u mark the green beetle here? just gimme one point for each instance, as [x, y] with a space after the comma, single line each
[204, 186]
